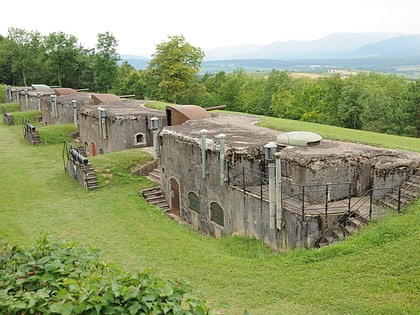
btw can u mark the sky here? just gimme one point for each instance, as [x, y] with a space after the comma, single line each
[140, 25]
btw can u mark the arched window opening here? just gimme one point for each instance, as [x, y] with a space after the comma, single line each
[217, 213]
[194, 202]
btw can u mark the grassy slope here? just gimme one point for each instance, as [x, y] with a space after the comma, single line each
[375, 272]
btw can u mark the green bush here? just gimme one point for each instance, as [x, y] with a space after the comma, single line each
[61, 278]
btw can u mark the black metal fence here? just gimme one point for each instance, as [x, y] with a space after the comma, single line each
[248, 180]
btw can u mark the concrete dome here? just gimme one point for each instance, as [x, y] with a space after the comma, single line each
[299, 138]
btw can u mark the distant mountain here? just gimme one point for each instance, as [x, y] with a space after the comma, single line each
[338, 45]
[408, 45]
[137, 62]
[369, 51]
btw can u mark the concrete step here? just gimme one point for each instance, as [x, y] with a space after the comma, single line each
[155, 198]
[151, 193]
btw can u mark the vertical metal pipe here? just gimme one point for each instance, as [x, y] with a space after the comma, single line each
[272, 194]
[221, 138]
[203, 133]
[38, 96]
[74, 106]
[54, 105]
[9, 93]
[269, 152]
[154, 125]
[26, 97]
[279, 211]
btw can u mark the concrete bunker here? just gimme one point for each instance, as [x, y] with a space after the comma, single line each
[118, 126]
[63, 106]
[227, 191]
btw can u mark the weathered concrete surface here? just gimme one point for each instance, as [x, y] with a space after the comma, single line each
[126, 126]
[246, 213]
[64, 113]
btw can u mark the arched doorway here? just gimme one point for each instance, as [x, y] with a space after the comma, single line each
[175, 204]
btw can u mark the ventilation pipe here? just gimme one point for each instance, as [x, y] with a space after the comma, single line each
[154, 125]
[102, 122]
[203, 133]
[74, 106]
[38, 98]
[9, 93]
[54, 105]
[221, 138]
[26, 97]
[270, 150]
[279, 210]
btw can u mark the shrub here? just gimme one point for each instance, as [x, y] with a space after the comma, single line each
[64, 278]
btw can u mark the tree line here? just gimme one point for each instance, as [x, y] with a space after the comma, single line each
[367, 101]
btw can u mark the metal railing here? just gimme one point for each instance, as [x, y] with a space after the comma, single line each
[306, 199]
[248, 180]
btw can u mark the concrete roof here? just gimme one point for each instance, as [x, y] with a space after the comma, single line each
[42, 88]
[98, 98]
[242, 134]
[239, 130]
[190, 111]
[122, 110]
[78, 96]
[64, 91]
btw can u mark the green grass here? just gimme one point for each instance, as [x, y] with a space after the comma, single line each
[158, 105]
[343, 134]
[374, 272]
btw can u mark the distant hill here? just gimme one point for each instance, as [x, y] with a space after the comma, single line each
[369, 51]
[398, 46]
[332, 46]
[137, 62]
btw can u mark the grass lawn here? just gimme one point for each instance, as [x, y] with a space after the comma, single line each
[374, 272]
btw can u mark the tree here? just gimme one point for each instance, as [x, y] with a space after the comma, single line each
[129, 81]
[250, 94]
[212, 85]
[105, 62]
[23, 49]
[62, 53]
[230, 87]
[174, 67]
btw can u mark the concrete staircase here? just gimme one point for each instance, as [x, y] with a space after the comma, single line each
[353, 220]
[8, 119]
[154, 176]
[401, 197]
[89, 177]
[346, 226]
[155, 197]
[90, 180]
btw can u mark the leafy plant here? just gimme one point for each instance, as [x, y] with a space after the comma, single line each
[64, 278]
